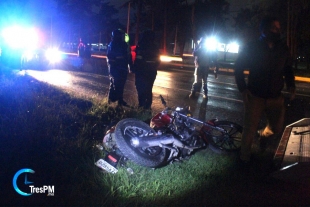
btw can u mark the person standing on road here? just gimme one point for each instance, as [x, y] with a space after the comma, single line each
[269, 63]
[118, 60]
[81, 49]
[202, 64]
[145, 68]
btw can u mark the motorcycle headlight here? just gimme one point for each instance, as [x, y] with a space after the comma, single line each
[135, 141]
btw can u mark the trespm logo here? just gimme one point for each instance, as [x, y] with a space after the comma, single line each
[44, 189]
[48, 188]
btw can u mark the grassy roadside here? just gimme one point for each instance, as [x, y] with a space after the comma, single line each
[44, 129]
[54, 134]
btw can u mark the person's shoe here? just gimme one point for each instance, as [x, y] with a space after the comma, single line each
[192, 95]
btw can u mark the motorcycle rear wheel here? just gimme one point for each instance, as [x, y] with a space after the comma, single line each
[149, 157]
[225, 142]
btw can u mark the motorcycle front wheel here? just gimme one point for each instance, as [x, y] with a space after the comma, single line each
[150, 156]
[228, 141]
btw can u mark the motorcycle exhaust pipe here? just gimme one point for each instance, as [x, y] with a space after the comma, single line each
[153, 141]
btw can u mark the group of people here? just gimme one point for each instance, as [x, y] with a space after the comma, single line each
[268, 60]
[144, 65]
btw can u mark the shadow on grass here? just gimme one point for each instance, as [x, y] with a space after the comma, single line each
[48, 131]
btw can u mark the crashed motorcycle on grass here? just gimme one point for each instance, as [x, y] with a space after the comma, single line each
[172, 135]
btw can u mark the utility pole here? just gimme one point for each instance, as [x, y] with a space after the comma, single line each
[99, 47]
[128, 18]
[288, 23]
[138, 21]
[175, 40]
[165, 29]
[193, 25]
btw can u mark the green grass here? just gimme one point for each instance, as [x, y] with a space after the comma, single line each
[55, 134]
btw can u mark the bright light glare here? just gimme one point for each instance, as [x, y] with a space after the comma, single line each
[233, 47]
[19, 37]
[135, 141]
[28, 55]
[54, 77]
[165, 58]
[53, 55]
[211, 44]
[221, 47]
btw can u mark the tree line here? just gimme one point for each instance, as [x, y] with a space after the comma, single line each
[174, 21]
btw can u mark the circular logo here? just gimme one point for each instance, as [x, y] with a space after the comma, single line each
[25, 170]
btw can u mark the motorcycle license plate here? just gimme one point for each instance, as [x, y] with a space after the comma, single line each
[106, 166]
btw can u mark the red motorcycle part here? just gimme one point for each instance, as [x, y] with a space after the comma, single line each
[206, 128]
[161, 120]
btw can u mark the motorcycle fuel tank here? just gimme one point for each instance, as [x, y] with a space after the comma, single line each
[161, 120]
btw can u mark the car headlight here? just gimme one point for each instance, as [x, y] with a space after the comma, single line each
[233, 47]
[211, 44]
[28, 55]
[53, 55]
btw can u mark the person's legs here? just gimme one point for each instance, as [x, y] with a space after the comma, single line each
[119, 82]
[197, 82]
[204, 78]
[140, 86]
[275, 112]
[112, 95]
[149, 88]
[254, 107]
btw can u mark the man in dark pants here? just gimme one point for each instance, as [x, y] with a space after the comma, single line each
[202, 64]
[118, 59]
[270, 65]
[145, 68]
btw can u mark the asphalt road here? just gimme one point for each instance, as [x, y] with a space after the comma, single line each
[174, 80]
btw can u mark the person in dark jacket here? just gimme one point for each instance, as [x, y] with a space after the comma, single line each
[145, 68]
[118, 60]
[270, 66]
[202, 64]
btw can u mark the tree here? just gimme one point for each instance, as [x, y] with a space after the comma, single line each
[294, 16]
[177, 16]
[247, 23]
[86, 18]
[105, 23]
[298, 30]
[209, 17]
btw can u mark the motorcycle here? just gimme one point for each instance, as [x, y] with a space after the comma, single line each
[173, 135]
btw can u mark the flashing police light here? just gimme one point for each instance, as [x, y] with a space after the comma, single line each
[18, 37]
